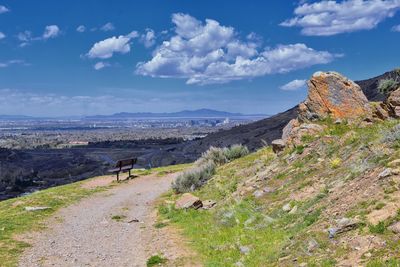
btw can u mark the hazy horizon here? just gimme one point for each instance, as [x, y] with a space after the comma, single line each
[135, 113]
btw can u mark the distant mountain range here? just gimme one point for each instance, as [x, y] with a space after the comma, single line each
[199, 113]
[15, 117]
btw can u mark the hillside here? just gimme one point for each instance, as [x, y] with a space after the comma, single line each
[254, 135]
[327, 194]
[292, 200]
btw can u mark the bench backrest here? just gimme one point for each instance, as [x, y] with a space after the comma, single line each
[125, 162]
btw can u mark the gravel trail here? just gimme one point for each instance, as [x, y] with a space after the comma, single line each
[85, 234]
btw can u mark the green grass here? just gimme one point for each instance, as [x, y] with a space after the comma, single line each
[228, 232]
[118, 218]
[155, 260]
[299, 149]
[377, 229]
[15, 220]
[347, 151]
[162, 171]
[219, 234]
[160, 225]
[384, 263]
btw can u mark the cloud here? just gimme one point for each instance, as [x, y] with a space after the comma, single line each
[13, 62]
[396, 28]
[51, 31]
[106, 48]
[100, 65]
[148, 38]
[107, 27]
[206, 53]
[24, 36]
[294, 85]
[4, 9]
[325, 18]
[2, 35]
[81, 28]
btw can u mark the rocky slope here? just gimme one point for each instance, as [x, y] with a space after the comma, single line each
[330, 196]
[254, 135]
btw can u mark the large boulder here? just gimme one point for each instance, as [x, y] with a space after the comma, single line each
[331, 94]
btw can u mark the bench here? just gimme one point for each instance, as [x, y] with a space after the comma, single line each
[123, 165]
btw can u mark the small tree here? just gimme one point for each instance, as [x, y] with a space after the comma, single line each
[386, 86]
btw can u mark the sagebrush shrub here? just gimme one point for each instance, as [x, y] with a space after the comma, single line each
[204, 168]
[393, 135]
[385, 86]
[213, 154]
[194, 178]
[235, 152]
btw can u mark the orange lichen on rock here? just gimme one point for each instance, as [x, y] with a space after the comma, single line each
[331, 94]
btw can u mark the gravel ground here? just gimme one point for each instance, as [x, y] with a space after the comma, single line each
[86, 235]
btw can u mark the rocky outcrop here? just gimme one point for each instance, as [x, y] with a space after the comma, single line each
[333, 95]
[329, 95]
[393, 103]
[298, 131]
[380, 110]
[188, 201]
[278, 145]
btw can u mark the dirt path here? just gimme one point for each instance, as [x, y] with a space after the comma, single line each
[86, 235]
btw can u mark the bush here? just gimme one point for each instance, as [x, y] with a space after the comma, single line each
[386, 86]
[155, 260]
[194, 178]
[377, 229]
[204, 168]
[235, 152]
[393, 135]
[335, 163]
[213, 154]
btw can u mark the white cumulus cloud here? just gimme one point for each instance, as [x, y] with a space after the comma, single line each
[204, 53]
[107, 27]
[396, 28]
[107, 48]
[51, 31]
[325, 18]
[4, 9]
[2, 35]
[26, 37]
[148, 38]
[81, 28]
[100, 65]
[294, 85]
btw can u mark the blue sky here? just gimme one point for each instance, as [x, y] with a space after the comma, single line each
[101, 57]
